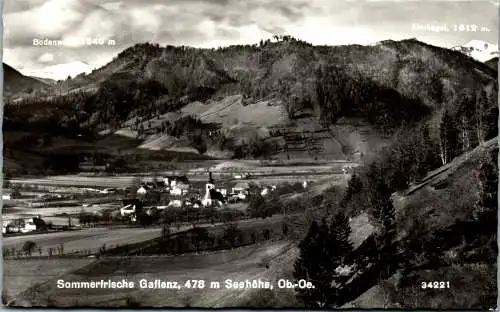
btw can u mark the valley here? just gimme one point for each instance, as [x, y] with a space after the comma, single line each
[363, 169]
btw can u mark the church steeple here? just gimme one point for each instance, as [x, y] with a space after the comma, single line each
[210, 179]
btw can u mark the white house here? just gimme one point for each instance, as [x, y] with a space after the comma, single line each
[127, 210]
[241, 187]
[175, 203]
[264, 191]
[142, 191]
[176, 192]
[181, 182]
[6, 197]
[29, 226]
[241, 176]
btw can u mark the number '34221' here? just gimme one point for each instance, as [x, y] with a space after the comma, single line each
[435, 285]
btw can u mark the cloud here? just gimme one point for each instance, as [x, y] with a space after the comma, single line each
[112, 6]
[62, 71]
[46, 58]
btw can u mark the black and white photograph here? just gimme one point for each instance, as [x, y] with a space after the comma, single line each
[293, 154]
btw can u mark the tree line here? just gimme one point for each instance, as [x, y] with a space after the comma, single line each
[327, 257]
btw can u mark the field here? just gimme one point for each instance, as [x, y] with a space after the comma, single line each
[247, 262]
[238, 265]
[21, 274]
[87, 239]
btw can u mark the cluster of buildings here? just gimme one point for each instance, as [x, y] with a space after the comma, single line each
[183, 195]
[18, 226]
[175, 185]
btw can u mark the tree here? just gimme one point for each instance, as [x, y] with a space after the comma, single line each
[165, 231]
[428, 153]
[144, 219]
[489, 196]
[340, 231]
[40, 224]
[253, 237]
[199, 237]
[257, 206]
[231, 234]
[267, 234]
[387, 251]
[324, 249]
[29, 247]
[354, 186]
[284, 229]
[16, 193]
[449, 138]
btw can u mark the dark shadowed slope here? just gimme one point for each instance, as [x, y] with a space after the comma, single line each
[493, 63]
[15, 82]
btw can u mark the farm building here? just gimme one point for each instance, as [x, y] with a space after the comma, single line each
[241, 187]
[181, 182]
[127, 210]
[130, 206]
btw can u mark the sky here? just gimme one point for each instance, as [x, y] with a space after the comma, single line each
[213, 23]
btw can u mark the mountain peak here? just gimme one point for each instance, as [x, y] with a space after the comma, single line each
[479, 50]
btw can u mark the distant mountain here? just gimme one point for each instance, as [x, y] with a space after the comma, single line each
[309, 80]
[45, 80]
[479, 50]
[288, 87]
[16, 83]
[493, 63]
[62, 71]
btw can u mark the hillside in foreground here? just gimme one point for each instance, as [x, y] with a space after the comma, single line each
[437, 222]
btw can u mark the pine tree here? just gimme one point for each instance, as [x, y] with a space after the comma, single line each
[450, 147]
[340, 231]
[354, 186]
[424, 153]
[489, 195]
[309, 267]
[324, 249]
[387, 255]
[481, 116]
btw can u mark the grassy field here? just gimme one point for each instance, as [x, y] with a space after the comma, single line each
[87, 239]
[471, 285]
[238, 264]
[45, 213]
[21, 274]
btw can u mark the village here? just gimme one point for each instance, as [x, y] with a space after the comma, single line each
[149, 198]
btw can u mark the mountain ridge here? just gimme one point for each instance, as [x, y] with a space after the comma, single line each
[146, 86]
